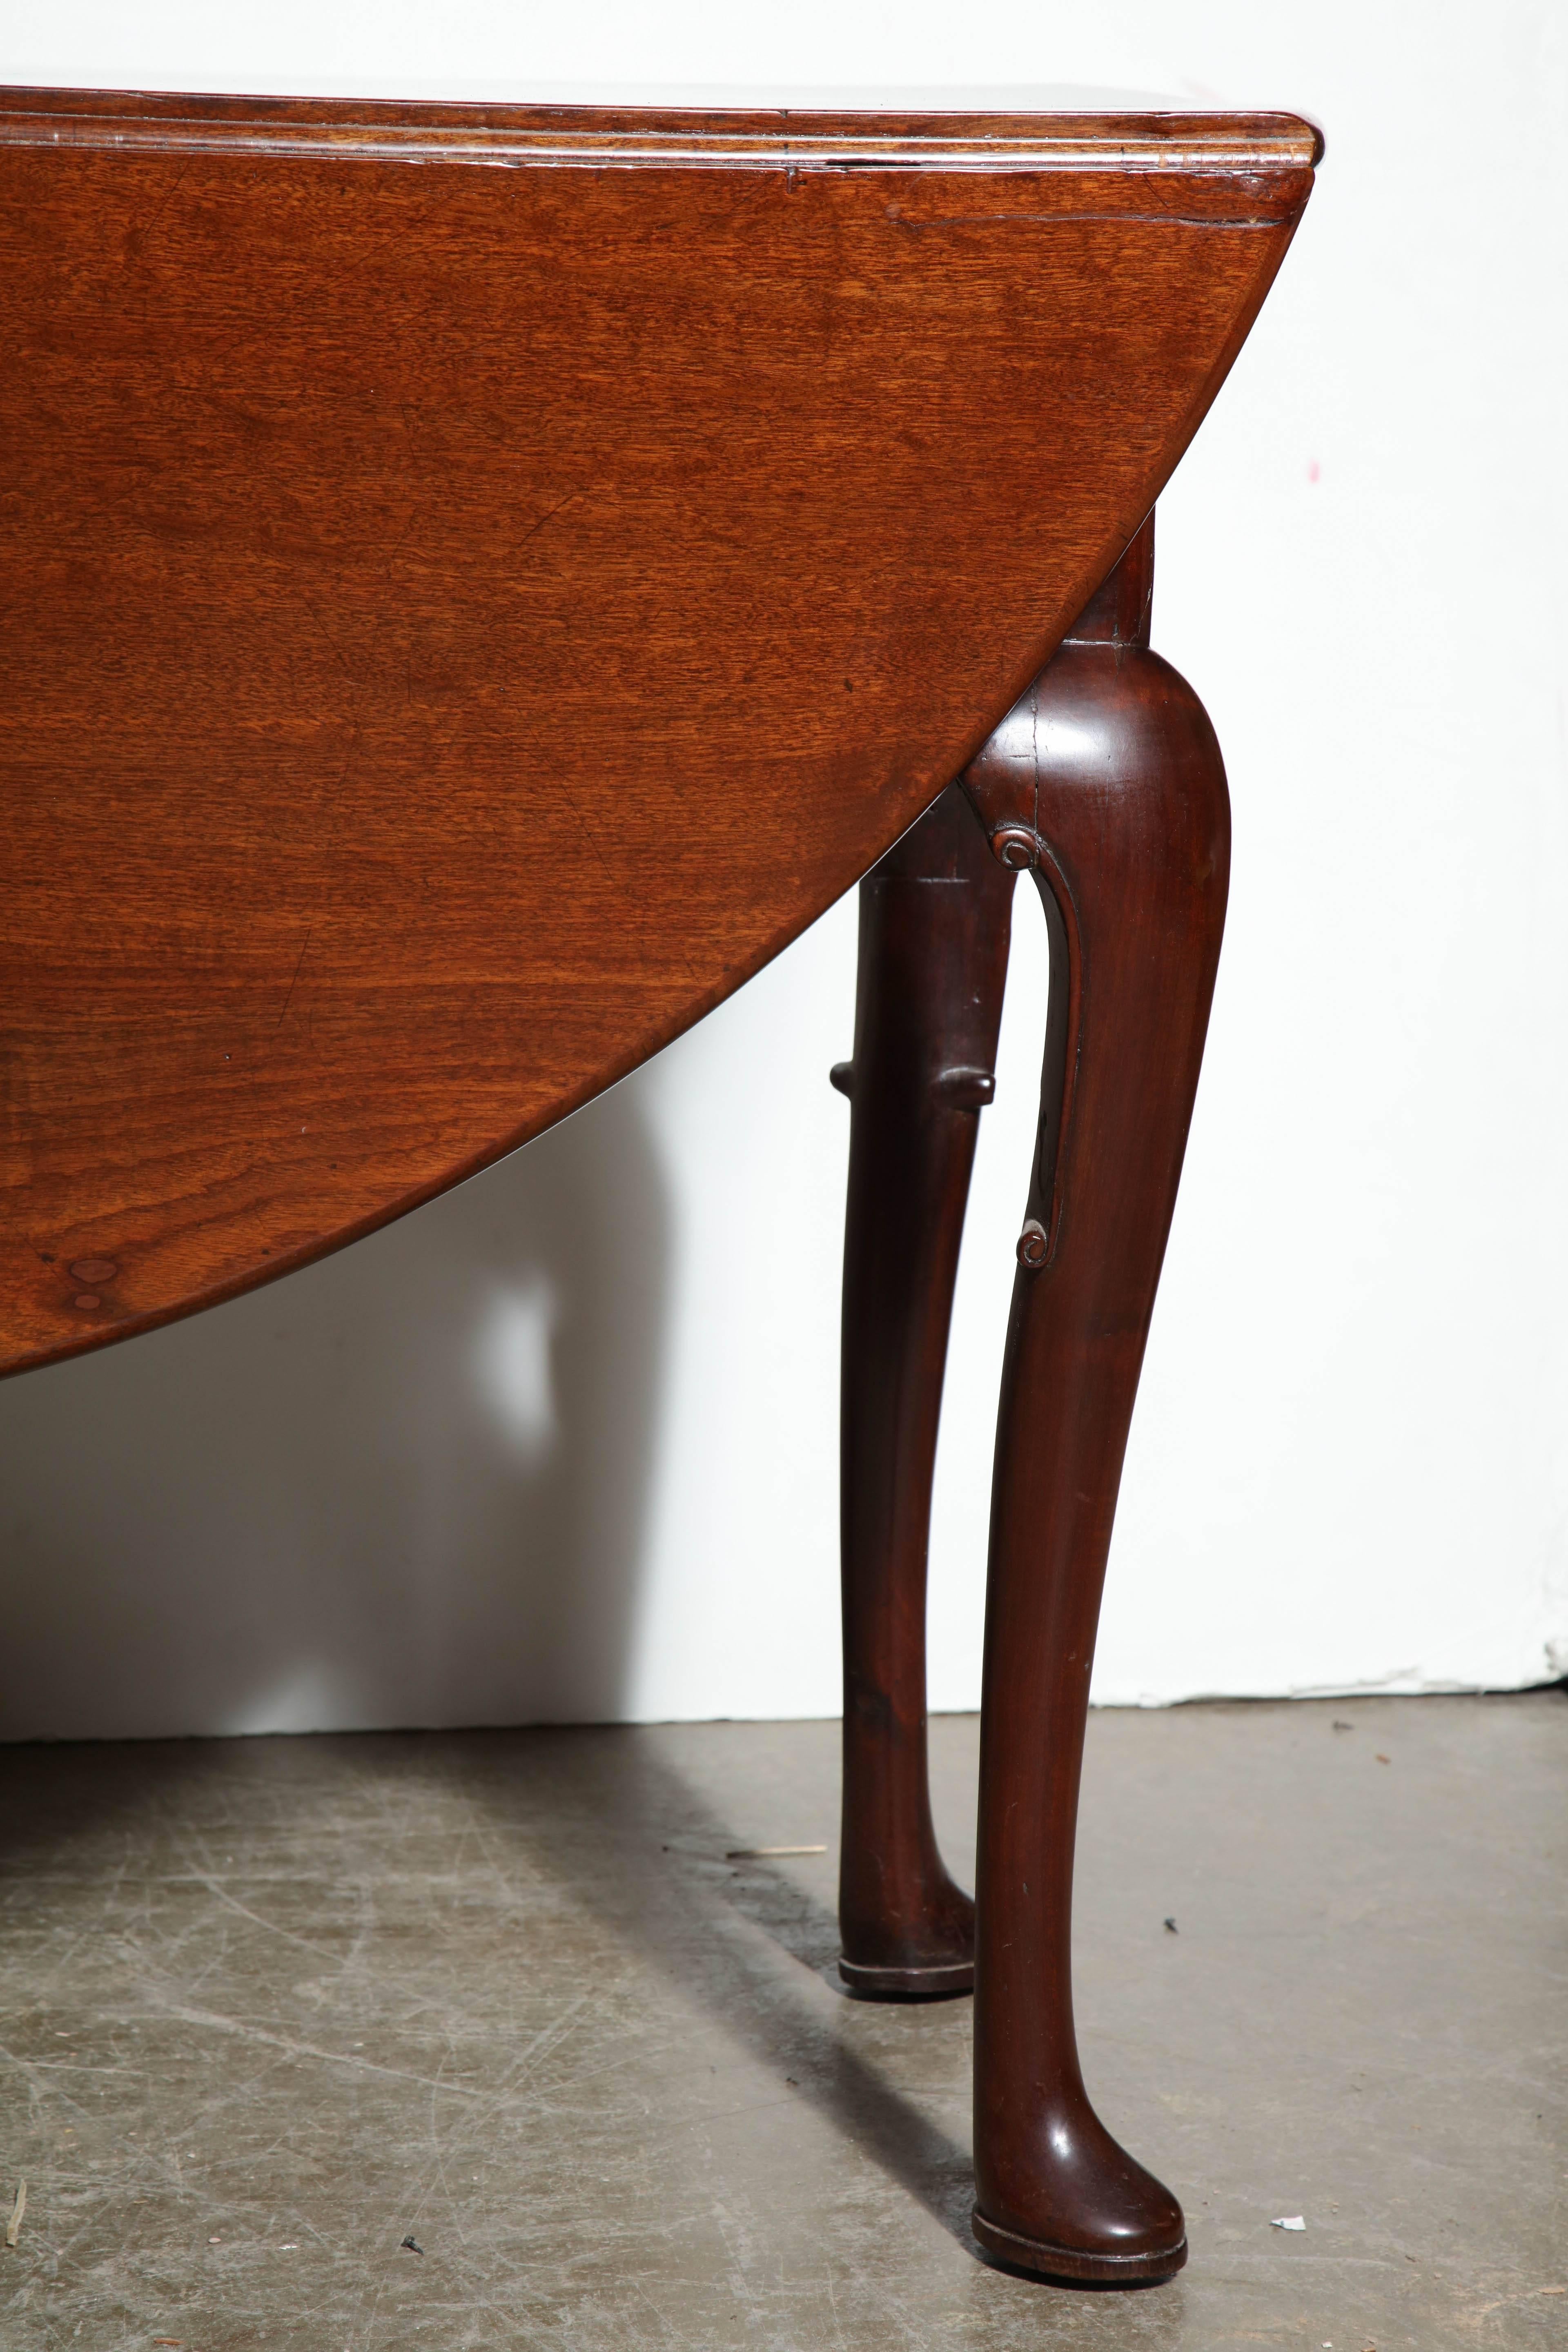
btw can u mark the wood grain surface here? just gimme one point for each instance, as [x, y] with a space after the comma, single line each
[476, 582]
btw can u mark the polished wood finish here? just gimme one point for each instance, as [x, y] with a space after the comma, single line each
[1113, 765]
[477, 581]
[1106, 782]
[934, 923]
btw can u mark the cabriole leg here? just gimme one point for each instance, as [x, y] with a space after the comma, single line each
[1106, 780]
[934, 919]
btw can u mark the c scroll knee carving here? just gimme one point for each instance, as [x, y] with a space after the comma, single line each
[1017, 845]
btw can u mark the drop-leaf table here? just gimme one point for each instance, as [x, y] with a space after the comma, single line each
[476, 582]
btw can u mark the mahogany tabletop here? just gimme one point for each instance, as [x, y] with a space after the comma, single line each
[478, 581]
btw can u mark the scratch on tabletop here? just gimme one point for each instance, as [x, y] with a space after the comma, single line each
[289, 1000]
[549, 516]
[1145, 220]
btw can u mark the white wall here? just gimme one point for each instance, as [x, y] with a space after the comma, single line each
[563, 1444]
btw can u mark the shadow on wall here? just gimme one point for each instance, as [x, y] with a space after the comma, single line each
[408, 1486]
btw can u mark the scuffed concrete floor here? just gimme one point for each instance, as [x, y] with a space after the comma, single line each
[271, 2006]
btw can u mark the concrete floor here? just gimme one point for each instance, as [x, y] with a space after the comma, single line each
[273, 2006]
